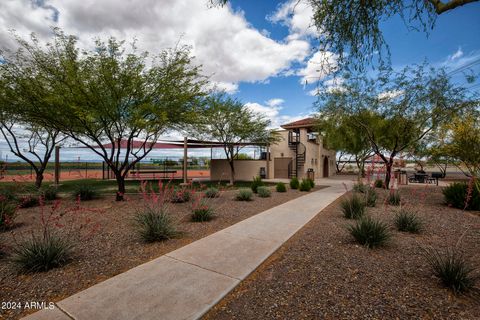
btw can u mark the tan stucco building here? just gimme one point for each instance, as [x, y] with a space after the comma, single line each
[299, 150]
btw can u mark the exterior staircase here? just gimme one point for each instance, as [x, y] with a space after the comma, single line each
[299, 150]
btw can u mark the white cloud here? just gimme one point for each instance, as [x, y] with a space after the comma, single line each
[389, 95]
[320, 65]
[458, 54]
[297, 16]
[330, 85]
[274, 102]
[223, 41]
[459, 60]
[272, 111]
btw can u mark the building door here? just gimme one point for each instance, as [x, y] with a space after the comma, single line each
[326, 170]
[280, 167]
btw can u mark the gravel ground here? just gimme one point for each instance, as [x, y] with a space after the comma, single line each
[321, 274]
[109, 245]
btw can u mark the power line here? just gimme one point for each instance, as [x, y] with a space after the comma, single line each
[465, 66]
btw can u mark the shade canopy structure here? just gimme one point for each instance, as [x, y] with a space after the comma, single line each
[174, 144]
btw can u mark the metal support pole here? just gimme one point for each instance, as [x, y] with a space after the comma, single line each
[268, 161]
[57, 165]
[185, 161]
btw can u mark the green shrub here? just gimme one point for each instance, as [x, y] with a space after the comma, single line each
[294, 183]
[360, 187]
[180, 195]
[50, 193]
[8, 193]
[456, 196]
[244, 195]
[407, 221]
[369, 232]
[312, 183]
[154, 224]
[394, 198]
[212, 192]
[263, 192]
[452, 268]
[8, 212]
[257, 182]
[353, 207]
[379, 183]
[370, 197]
[280, 187]
[29, 201]
[3, 252]
[202, 212]
[42, 253]
[85, 193]
[305, 185]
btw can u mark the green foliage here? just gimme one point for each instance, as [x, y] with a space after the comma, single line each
[49, 193]
[263, 192]
[370, 197]
[312, 183]
[457, 196]
[243, 156]
[155, 224]
[464, 133]
[369, 232]
[280, 187]
[257, 182]
[180, 195]
[394, 198]
[244, 195]
[228, 121]
[85, 192]
[43, 253]
[407, 221]
[394, 109]
[202, 212]
[360, 187]
[353, 207]
[353, 31]
[29, 201]
[452, 268]
[3, 252]
[212, 192]
[294, 183]
[87, 97]
[8, 211]
[8, 194]
[305, 185]
[379, 183]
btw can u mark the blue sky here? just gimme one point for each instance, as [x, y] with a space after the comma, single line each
[259, 51]
[455, 32]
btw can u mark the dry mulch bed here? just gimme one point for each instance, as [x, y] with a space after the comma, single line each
[114, 247]
[320, 273]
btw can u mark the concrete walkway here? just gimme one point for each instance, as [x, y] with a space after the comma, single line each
[186, 283]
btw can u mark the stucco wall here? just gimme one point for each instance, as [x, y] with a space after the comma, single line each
[244, 169]
[314, 156]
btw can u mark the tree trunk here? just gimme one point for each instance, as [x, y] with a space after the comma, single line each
[38, 179]
[121, 187]
[388, 173]
[232, 172]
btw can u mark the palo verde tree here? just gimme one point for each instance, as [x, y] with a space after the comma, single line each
[463, 141]
[32, 143]
[113, 101]
[347, 139]
[396, 109]
[352, 29]
[230, 122]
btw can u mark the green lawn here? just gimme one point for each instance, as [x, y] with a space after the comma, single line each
[110, 186]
